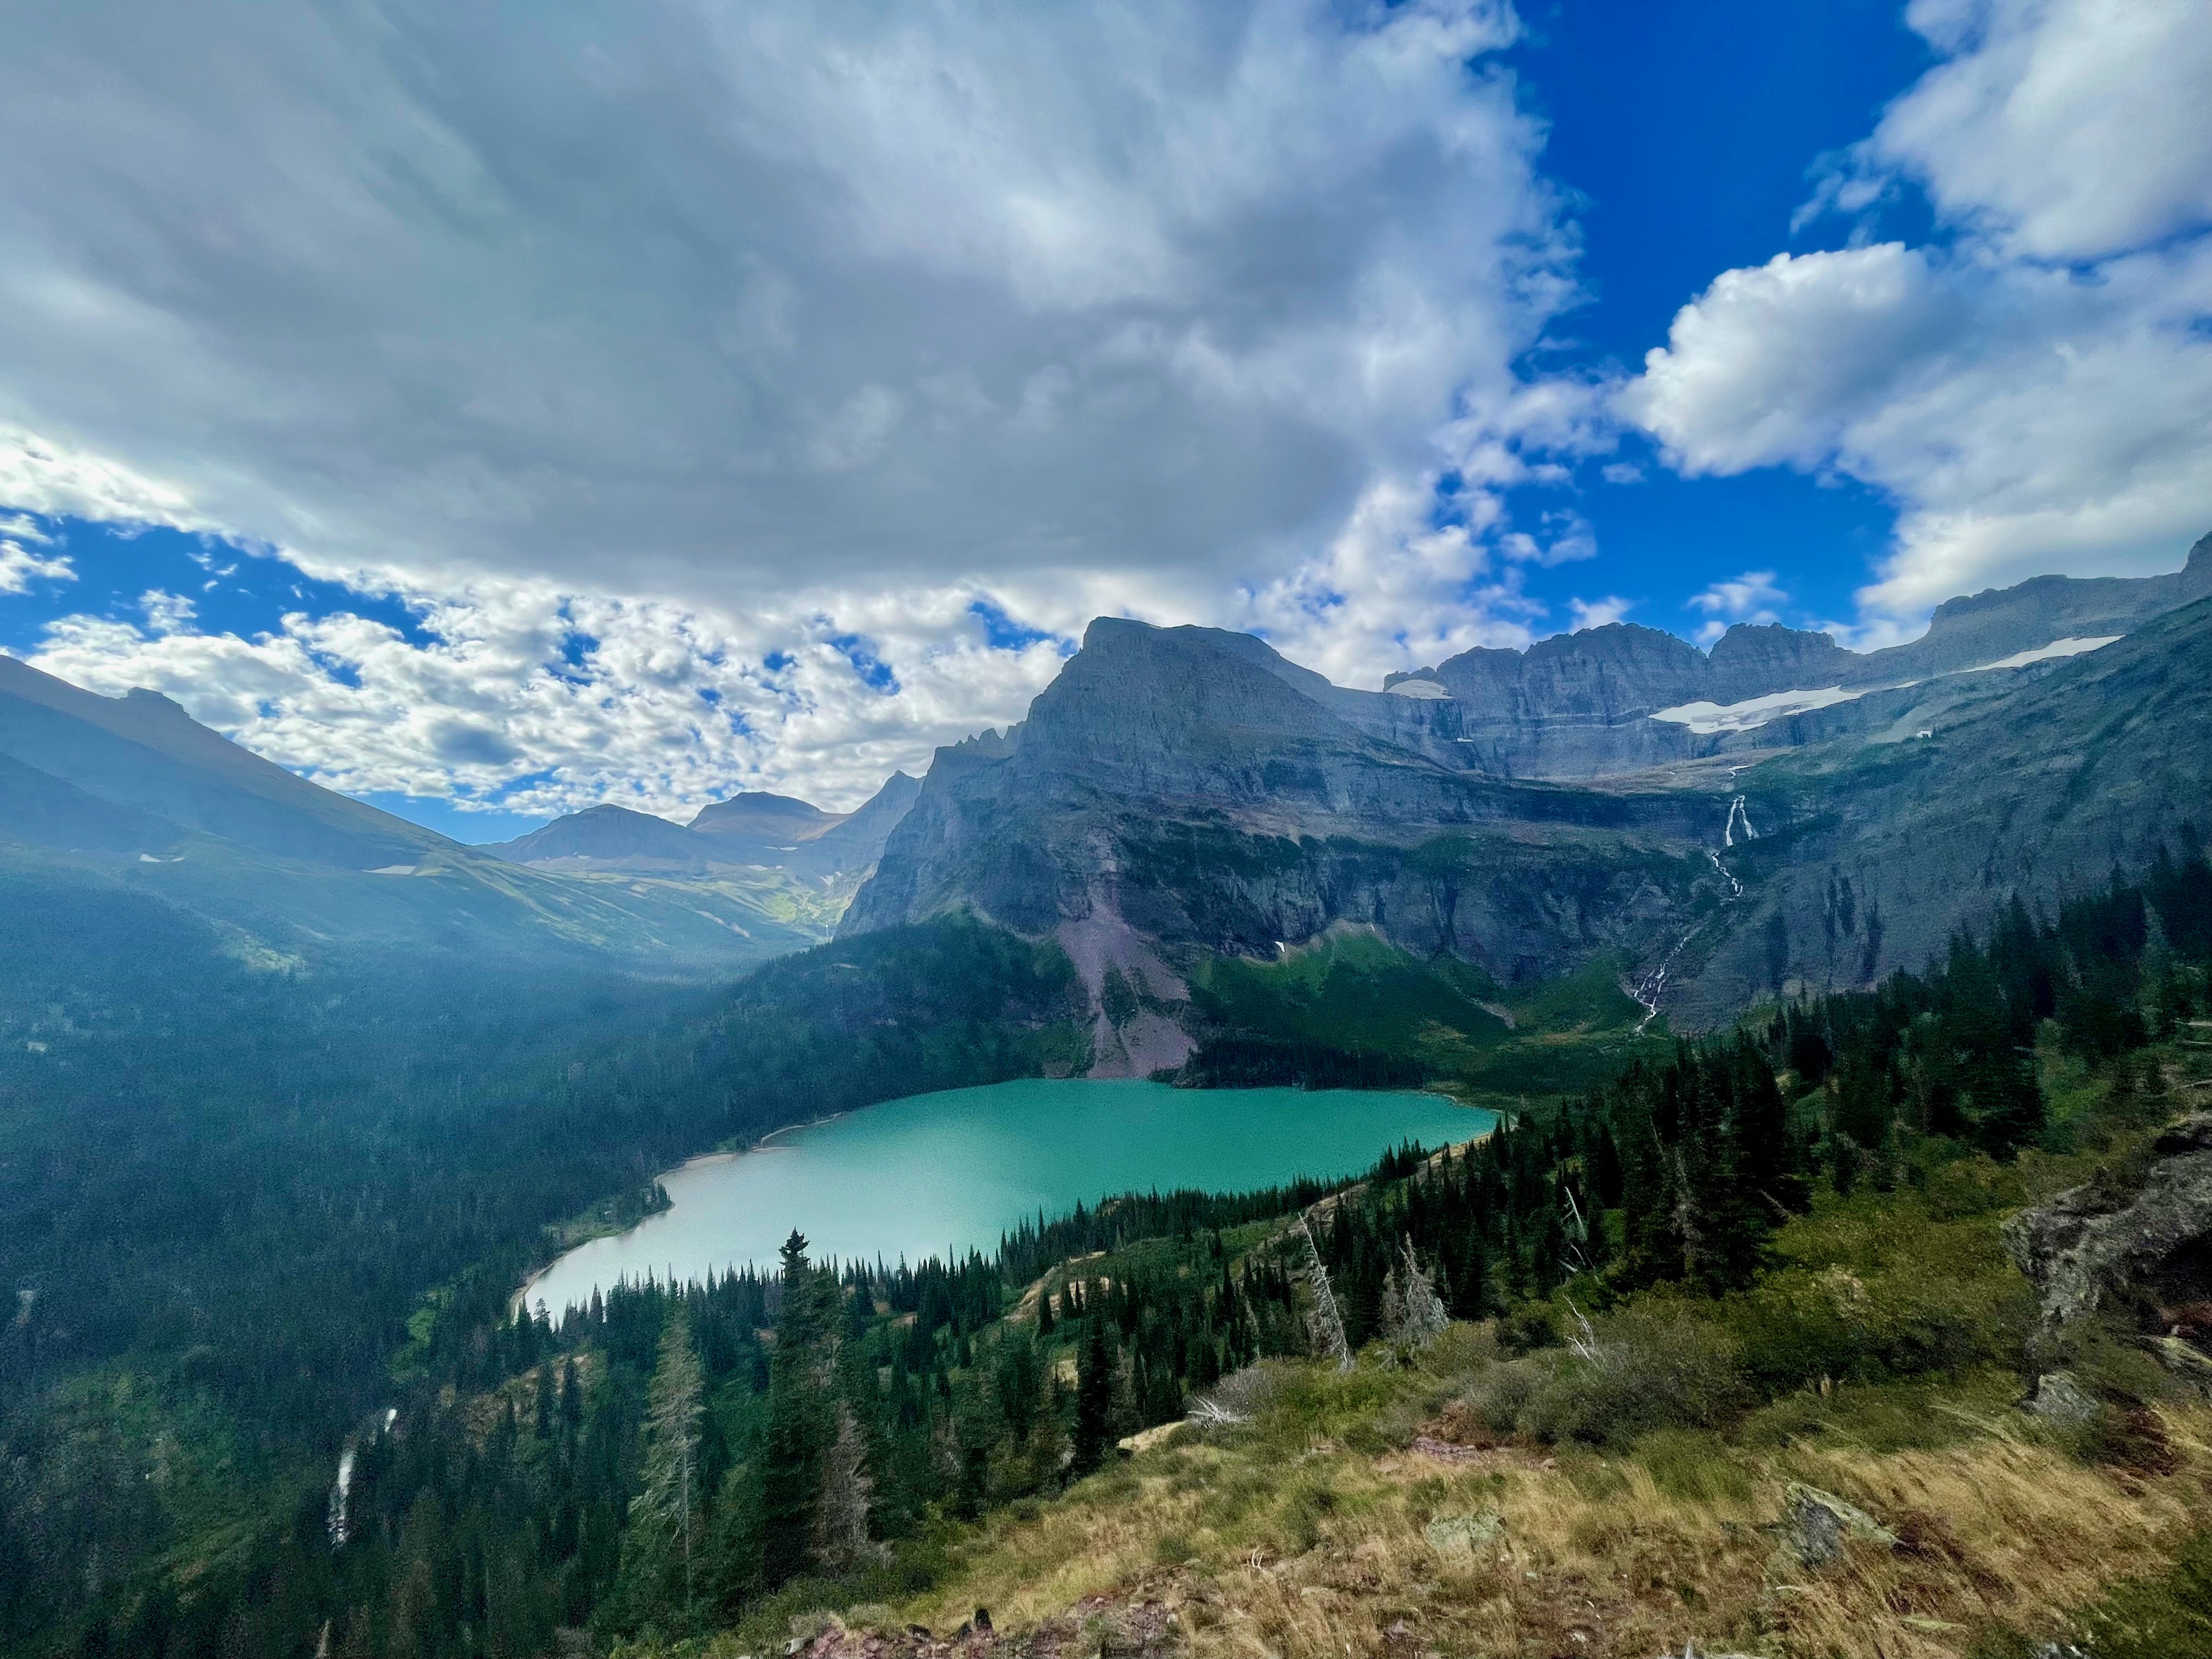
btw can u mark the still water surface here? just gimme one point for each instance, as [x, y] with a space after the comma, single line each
[949, 1172]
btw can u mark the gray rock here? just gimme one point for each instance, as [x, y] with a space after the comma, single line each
[1816, 1526]
[2183, 1358]
[2061, 1400]
[1463, 1534]
[2081, 1253]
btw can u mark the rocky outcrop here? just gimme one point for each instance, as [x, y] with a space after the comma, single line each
[1817, 1526]
[2152, 1252]
[1202, 792]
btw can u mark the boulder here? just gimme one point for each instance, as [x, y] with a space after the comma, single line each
[1816, 1525]
[2083, 1252]
[2061, 1400]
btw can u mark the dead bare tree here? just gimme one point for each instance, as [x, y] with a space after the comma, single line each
[1328, 1321]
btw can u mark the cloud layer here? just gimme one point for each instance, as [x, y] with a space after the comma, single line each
[712, 300]
[713, 333]
[512, 694]
[2035, 389]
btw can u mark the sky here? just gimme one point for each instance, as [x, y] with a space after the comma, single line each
[492, 413]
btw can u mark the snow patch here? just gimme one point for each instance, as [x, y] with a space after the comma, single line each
[394, 870]
[1707, 718]
[2071, 646]
[1710, 717]
[1428, 689]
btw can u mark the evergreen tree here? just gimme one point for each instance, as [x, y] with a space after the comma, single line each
[1094, 1399]
[791, 1477]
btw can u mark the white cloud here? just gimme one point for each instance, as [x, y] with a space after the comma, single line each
[719, 333]
[723, 302]
[20, 567]
[523, 696]
[2027, 416]
[1772, 363]
[1392, 591]
[1598, 613]
[2059, 130]
[1754, 597]
[167, 613]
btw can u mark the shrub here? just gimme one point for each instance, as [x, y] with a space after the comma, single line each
[1492, 1408]
[1623, 1375]
[1630, 1373]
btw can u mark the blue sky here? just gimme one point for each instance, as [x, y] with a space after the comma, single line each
[1690, 131]
[762, 416]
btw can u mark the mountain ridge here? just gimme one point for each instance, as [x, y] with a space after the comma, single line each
[1181, 791]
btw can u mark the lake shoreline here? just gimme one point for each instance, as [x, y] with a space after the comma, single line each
[955, 1171]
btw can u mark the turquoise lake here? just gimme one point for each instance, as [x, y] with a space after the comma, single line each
[950, 1172]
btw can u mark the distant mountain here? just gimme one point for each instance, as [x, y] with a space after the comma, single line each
[1181, 794]
[615, 838]
[751, 832]
[1618, 698]
[852, 846]
[121, 800]
[756, 818]
[142, 750]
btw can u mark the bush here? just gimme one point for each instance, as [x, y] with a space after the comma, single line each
[1634, 1372]
[1872, 1292]
[1626, 1375]
[1492, 1408]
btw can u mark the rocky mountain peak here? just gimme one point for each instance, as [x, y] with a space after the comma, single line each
[756, 815]
[1754, 658]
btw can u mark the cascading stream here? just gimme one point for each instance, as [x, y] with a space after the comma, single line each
[1648, 991]
[349, 1454]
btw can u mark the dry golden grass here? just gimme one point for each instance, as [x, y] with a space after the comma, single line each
[1320, 1552]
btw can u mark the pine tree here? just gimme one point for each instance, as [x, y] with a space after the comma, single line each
[798, 1429]
[1094, 1399]
[841, 1524]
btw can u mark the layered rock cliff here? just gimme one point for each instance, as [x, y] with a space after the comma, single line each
[1182, 790]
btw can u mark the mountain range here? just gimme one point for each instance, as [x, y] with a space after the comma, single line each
[752, 830]
[1776, 815]
[125, 803]
[1779, 815]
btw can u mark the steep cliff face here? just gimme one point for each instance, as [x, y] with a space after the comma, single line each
[1178, 784]
[1180, 790]
[1877, 845]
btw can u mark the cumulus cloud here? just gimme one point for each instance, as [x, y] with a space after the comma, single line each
[768, 326]
[2031, 391]
[517, 695]
[1772, 363]
[1754, 597]
[19, 565]
[713, 300]
[2059, 130]
[1598, 613]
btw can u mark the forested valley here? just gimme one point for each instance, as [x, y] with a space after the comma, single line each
[677, 1459]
